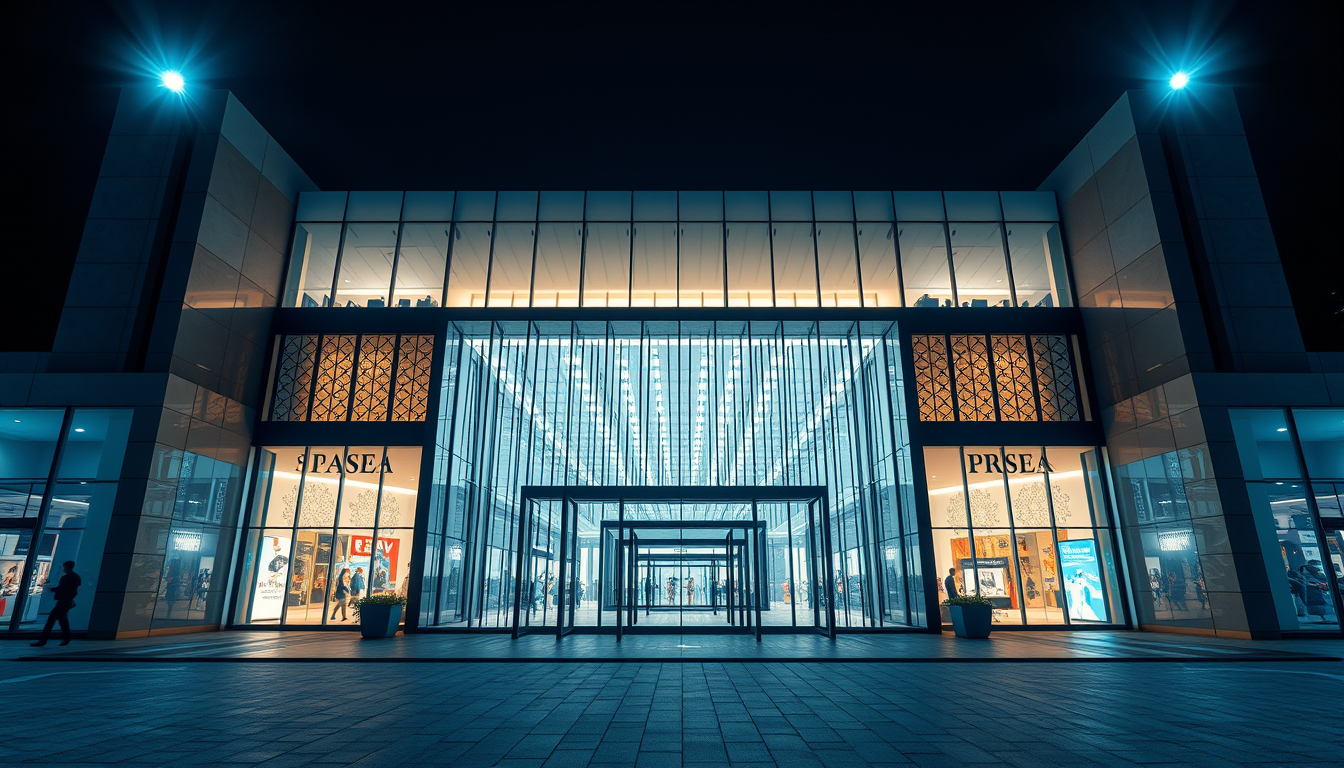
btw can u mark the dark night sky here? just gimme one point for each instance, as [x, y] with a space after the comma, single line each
[760, 97]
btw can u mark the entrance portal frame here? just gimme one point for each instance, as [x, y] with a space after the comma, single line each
[814, 496]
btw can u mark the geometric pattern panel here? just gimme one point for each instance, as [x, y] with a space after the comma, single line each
[331, 391]
[294, 378]
[1055, 378]
[410, 400]
[933, 385]
[970, 366]
[373, 377]
[1012, 375]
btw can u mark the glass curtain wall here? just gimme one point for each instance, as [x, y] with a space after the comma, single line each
[669, 403]
[1025, 526]
[669, 249]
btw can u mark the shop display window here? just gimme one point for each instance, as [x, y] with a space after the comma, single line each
[351, 536]
[999, 514]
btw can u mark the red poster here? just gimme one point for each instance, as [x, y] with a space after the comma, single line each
[383, 568]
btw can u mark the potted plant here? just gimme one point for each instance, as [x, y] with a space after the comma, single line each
[972, 615]
[379, 614]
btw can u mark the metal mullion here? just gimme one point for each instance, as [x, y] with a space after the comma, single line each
[583, 247]
[1092, 504]
[536, 240]
[991, 359]
[490, 264]
[816, 251]
[970, 523]
[951, 269]
[336, 267]
[1012, 536]
[1035, 382]
[294, 531]
[811, 556]
[1007, 256]
[770, 232]
[43, 511]
[354, 379]
[452, 233]
[620, 562]
[1315, 510]
[828, 548]
[569, 401]
[523, 524]
[1054, 536]
[793, 577]
[396, 261]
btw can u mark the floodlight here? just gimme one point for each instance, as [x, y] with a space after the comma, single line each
[172, 80]
[1179, 80]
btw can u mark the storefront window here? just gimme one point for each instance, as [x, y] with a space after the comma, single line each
[999, 516]
[330, 524]
[1306, 569]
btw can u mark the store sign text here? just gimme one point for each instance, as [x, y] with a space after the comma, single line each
[350, 464]
[1012, 464]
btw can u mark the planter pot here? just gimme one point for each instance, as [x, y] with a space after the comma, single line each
[379, 620]
[972, 620]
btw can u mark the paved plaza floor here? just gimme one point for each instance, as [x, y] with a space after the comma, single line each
[1207, 702]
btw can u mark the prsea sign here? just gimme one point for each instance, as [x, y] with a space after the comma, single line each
[1012, 464]
[349, 464]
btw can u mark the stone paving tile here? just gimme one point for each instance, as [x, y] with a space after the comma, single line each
[688, 714]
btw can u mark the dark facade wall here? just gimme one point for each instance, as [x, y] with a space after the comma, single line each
[168, 312]
[1185, 305]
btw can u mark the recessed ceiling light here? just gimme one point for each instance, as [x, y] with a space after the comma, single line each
[1281, 429]
[79, 429]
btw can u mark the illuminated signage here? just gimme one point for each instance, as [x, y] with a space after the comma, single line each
[349, 464]
[1011, 463]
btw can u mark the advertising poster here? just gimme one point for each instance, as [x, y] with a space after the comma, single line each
[991, 573]
[384, 561]
[268, 598]
[1082, 579]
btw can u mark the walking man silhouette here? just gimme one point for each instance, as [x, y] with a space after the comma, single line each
[65, 600]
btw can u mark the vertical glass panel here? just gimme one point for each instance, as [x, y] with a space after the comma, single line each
[400, 488]
[833, 206]
[277, 491]
[561, 206]
[877, 258]
[608, 206]
[1328, 501]
[701, 283]
[360, 467]
[1264, 443]
[1041, 593]
[749, 280]
[1075, 484]
[366, 264]
[421, 264]
[321, 486]
[428, 206]
[559, 256]
[516, 206]
[373, 206]
[655, 265]
[700, 206]
[874, 206]
[924, 264]
[606, 270]
[978, 263]
[14, 544]
[919, 206]
[269, 576]
[28, 441]
[987, 494]
[795, 266]
[947, 502]
[25, 499]
[1038, 265]
[474, 206]
[352, 551]
[469, 265]
[321, 206]
[972, 206]
[96, 444]
[791, 206]
[312, 264]
[312, 588]
[511, 265]
[1321, 432]
[655, 206]
[837, 266]
[747, 206]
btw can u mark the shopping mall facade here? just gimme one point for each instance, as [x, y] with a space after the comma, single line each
[676, 411]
